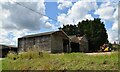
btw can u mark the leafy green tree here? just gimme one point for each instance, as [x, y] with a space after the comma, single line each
[69, 29]
[94, 29]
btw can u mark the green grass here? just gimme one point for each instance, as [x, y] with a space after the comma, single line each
[0, 65]
[69, 61]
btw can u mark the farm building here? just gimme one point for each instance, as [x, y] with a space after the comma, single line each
[4, 50]
[54, 42]
[79, 43]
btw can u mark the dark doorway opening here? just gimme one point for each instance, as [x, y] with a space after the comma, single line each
[75, 47]
[65, 45]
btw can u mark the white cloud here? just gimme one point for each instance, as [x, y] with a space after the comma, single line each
[64, 4]
[44, 18]
[115, 26]
[108, 11]
[63, 19]
[49, 25]
[78, 12]
[115, 15]
[17, 21]
[113, 32]
[10, 37]
[105, 13]
[4, 14]
[46, 23]
[112, 35]
[89, 17]
[23, 18]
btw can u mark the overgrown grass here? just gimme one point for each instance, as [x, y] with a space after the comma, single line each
[69, 61]
[0, 65]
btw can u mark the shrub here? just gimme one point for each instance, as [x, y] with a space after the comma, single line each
[12, 56]
[26, 55]
[30, 55]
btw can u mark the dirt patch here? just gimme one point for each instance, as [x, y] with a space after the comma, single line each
[100, 53]
[58, 54]
[2, 58]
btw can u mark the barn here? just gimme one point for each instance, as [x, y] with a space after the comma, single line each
[53, 42]
[5, 49]
[79, 43]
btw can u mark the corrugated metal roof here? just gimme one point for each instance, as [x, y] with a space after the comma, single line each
[39, 34]
[7, 46]
[43, 34]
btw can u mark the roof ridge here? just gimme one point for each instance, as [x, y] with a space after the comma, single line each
[39, 34]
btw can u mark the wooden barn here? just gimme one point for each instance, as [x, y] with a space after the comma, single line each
[4, 50]
[54, 42]
[79, 43]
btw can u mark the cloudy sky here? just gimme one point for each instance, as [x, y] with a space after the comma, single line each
[37, 16]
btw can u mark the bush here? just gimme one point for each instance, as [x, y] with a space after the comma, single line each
[30, 55]
[25, 55]
[12, 56]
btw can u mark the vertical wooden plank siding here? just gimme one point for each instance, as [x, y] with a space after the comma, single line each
[57, 44]
[42, 42]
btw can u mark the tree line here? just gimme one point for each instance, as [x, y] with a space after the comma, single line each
[93, 29]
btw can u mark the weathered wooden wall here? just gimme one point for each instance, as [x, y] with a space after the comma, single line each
[42, 42]
[84, 45]
[56, 44]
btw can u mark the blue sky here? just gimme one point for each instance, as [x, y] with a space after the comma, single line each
[52, 11]
[17, 21]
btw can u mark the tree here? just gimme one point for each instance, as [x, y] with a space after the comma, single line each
[69, 29]
[94, 29]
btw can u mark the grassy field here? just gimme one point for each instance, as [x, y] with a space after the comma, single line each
[0, 65]
[69, 61]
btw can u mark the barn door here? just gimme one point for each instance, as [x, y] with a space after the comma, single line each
[65, 45]
[75, 47]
